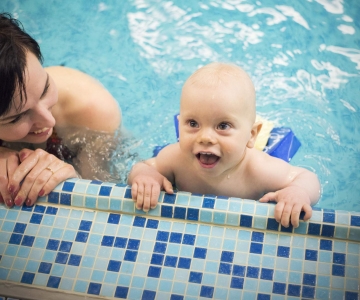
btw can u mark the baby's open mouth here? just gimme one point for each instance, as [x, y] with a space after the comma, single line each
[207, 158]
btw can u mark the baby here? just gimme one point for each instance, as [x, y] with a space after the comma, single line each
[216, 155]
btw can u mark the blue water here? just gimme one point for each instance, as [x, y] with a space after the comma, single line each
[303, 56]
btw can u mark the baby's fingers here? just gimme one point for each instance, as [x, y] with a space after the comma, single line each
[308, 211]
[295, 215]
[268, 197]
[167, 186]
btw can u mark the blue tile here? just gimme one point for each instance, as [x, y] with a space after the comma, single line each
[74, 260]
[267, 274]
[279, 288]
[252, 272]
[53, 197]
[166, 211]
[272, 224]
[15, 239]
[53, 245]
[53, 282]
[355, 220]
[227, 256]
[61, 258]
[148, 295]
[308, 292]
[283, 251]
[180, 213]
[36, 218]
[65, 199]
[19, 227]
[94, 288]
[154, 272]
[188, 239]
[65, 246]
[237, 283]
[294, 290]
[225, 268]
[192, 214]
[246, 221]
[114, 266]
[328, 217]
[176, 297]
[139, 221]
[81, 236]
[206, 291]
[208, 203]
[133, 244]
[175, 237]
[326, 245]
[85, 225]
[128, 193]
[121, 292]
[27, 278]
[169, 198]
[159, 247]
[339, 258]
[120, 242]
[152, 224]
[239, 270]
[314, 229]
[200, 252]
[130, 255]
[45, 267]
[28, 241]
[157, 259]
[338, 270]
[309, 279]
[68, 186]
[195, 277]
[184, 263]
[263, 297]
[51, 210]
[351, 295]
[311, 255]
[114, 219]
[39, 209]
[257, 236]
[170, 261]
[108, 241]
[328, 230]
[105, 191]
[256, 248]
[162, 236]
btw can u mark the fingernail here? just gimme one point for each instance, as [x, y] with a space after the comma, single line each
[9, 203]
[18, 201]
[11, 188]
[42, 192]
[28, 202]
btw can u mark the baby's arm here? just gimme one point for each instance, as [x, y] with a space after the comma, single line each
[147, 180]
[294, 189]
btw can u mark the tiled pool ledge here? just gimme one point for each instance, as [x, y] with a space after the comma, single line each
[86, 239]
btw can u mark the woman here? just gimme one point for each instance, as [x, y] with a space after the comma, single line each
[36, 105]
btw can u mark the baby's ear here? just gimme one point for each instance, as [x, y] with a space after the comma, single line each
[254, 133]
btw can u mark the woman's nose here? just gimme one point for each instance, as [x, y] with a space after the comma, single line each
[43, 117]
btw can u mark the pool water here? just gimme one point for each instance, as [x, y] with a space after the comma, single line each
[303, 56]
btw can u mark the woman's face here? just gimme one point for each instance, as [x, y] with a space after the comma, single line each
[34, 122]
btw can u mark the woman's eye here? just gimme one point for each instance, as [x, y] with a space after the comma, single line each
[223, 126]
[193, 123]
[16, 119]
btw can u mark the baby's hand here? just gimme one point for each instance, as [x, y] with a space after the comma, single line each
[290, 202]
[146, 187]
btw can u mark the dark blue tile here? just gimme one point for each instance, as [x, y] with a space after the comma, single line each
[148, 295]
[166, 211]
[139, 221]
[160, 247]
[108, 241]
[308, 292]
[200, 252]
[338, 270]
[294, 290]
[61, 258]
[237, 283]
[121, 292]
[272, 224]
[170, 261]
[225, 268]
[133, 244]
[314, 229]
[50, 210]
[351, 295]
[94, 288]
[227, 256]
[206, 291]
[192, 214]
[65, 199]
[114, 266]
[105, 191]
[119, 184]
[82, 236]
[279, 288]
[180, 213]
[114, 219]
[246, 221]
[68, 186]
[74, 260]
[184, 263]
[239, 270]
[39, 209]
[355, 221]
[256, 248]
[176, 297]
[339, 258]
[311, 255]
[97, 182]
[130, 255]
[162, 236]
[326, 245]
[28, 240]
[266, 274]
[36, 218]
[53, 282]
[286, 229]
[53, 197]
[65, 246]
[157, 259]
[45, 267]
[252, 272]
[208, 203]
[154, 272]
[53, 245]
[19, 227]
[15, 239]
[27, 278]
[175, 237]
[302, 214]
[120, 242]
[309, 279]
[169, 198]
[257, 236]
[189, 239]
[263, 297]
[328, 230]
[195, 277]
[27, 208]
[128, 193]
[222, 197]
[152, 224]
[329, 217]
[283, 251]
[85, 225]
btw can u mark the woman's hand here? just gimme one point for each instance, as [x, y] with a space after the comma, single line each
[9, 161]
[37, 174]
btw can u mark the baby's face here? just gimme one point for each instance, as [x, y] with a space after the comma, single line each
[215, 126]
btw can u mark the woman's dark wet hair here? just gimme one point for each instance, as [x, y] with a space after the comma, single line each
[14, 44]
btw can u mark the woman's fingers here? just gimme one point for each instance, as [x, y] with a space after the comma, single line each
[9, 161]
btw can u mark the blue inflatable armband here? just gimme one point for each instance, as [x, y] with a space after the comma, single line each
[282, 142]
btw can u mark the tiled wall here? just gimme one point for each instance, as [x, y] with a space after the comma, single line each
[86, 238]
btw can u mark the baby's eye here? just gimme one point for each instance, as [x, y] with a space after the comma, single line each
[224, 126]
[193, 123]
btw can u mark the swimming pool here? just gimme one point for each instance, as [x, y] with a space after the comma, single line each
[304, 59]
